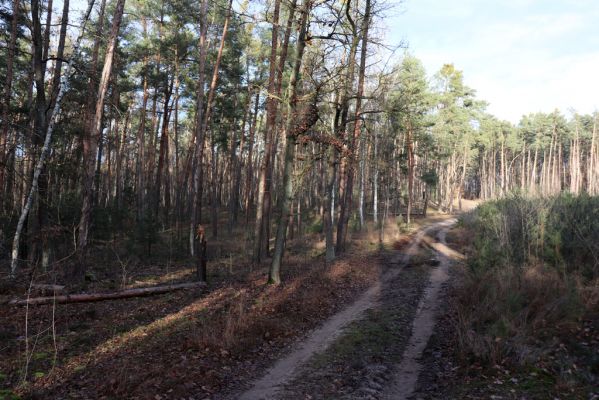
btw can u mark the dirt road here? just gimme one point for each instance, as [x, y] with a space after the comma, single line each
[299, 375]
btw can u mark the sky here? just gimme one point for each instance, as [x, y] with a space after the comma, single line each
[521, 56]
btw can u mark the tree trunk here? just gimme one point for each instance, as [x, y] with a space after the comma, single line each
[286, 195]
[92, 137]
[92, 297]
[212, 93]
[410, 148]
[59, 54]
[141, 132]
[260, 239]
[346, 174]
[163, 152]
[64, 86]
[250, 162]
[8, 96]
[593, 173]
[198, 153]
[330, 209]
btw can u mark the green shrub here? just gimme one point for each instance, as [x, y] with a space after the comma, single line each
[533, 271]
[561, 232]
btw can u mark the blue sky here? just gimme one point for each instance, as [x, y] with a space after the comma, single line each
[521, 56]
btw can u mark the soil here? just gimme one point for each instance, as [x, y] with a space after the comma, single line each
[352, 355]
[195, 343]
[375, 324]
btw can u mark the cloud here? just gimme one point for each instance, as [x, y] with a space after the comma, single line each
[520, 56]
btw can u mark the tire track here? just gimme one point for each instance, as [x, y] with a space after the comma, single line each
[286, 369]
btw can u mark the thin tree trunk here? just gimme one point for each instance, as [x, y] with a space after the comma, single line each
[64, 87]
[410, 148]
[121, 149]
[37, 223]
[260, 239]
[330, 209]
[59, 54]
[212, 90]
[268, 199]
[141, 132]
[375, 183]
[92, 138]
[286, 195]
[346, 174]
[250, 162]
[163, 152]
[593, 172]
[8, 96]
[196, 196]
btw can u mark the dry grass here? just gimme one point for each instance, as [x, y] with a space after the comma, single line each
[510, 313]
[536, 312]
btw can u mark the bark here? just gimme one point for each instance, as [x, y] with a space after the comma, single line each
[330, 210]
[121, 149]
[59, 54]
[178, 187]
[345, 167]
[163, 152]
[140, 160]
[92, 297]
[46, 44]
[64, 86]
[38, 220]
[593, 172]
[250, 162]
[8, 94]
[196, 196]
[275, 138]
[375, 179]
[92, 79]
[235, 166]
[286, 194]
[212, 94]
[410, 151]
[93, 136]
[362, 189]
[260, 241]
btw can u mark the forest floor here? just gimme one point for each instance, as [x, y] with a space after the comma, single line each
[201, 343]
[334, 359]
[399, 341]
[357, 328]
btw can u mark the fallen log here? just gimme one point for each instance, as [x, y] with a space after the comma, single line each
[91, 297]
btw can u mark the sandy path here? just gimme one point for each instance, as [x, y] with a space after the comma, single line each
[321, 338]
[405, 377]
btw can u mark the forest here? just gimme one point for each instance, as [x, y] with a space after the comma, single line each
[258, 165]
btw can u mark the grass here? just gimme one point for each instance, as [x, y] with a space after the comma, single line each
[372, 335]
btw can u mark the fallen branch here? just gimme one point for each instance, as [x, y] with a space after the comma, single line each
[90, 297]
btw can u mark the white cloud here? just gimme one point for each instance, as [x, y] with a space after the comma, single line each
[525, 61]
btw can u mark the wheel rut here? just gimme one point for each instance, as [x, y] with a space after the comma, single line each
[285, 379]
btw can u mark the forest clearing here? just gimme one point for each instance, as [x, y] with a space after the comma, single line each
[277, 199]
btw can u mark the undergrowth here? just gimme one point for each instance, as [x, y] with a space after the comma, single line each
[531, 290]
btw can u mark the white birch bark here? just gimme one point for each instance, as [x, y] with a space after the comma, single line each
[64, 87]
